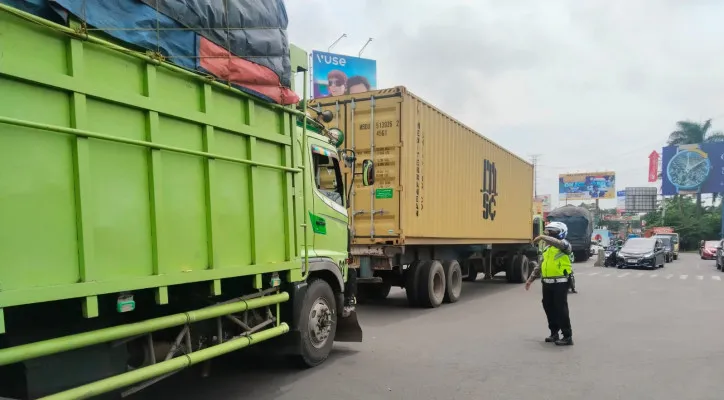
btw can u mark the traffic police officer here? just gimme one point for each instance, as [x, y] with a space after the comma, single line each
[555, 270]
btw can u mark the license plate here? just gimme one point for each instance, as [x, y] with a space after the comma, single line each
[632, 261]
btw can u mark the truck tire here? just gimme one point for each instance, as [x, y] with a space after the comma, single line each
[317, 324]
[373, 291]
[471, 266]
[518, 269]
[583, 256]
[453, 281]
[430, 284]
[411, 278]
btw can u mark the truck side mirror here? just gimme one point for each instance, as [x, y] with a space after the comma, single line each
[327, 116]
[368, 173]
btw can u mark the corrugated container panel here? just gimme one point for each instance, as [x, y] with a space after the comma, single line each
[438, 181]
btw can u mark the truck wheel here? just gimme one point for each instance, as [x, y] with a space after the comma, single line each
[518, 269]
[318, 324]
[430, 284]
[453, 281]
[374, 291]
[471, 266]
[583, 256]
[411, 278]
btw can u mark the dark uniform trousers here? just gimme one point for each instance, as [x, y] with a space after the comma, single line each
[555, 304]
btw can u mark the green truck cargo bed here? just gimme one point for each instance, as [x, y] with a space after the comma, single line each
[120, 173]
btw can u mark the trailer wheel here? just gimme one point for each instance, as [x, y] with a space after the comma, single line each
[453, 281]
[471, 266]
[430, 284]
[411, 278]
[317, 324]
[518, 269]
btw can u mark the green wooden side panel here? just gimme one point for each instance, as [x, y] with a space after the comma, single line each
[85, 216]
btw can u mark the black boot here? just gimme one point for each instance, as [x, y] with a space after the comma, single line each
[553, 337]
[565, 341]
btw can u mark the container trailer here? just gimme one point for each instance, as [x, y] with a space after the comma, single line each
[447, 204]
[151, 217]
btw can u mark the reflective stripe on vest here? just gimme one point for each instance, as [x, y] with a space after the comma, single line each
[556, 263]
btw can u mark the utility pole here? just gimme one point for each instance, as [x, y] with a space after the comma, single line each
[534, 161]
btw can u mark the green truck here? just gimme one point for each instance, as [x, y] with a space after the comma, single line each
[152, 218]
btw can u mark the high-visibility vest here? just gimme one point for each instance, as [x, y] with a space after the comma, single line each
[556, 263]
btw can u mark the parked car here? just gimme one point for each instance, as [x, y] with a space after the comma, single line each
[668, 247]
[707, 251]
[642, 253]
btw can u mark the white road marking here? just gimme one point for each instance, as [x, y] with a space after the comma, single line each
[653, 275]
[669, 276]
[716, 278]
[594, 273]
[624, 274]
[640, 274]
[700, 277]
[607, 275]
[684, 276]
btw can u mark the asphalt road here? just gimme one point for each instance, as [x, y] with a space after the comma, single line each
[638, 335]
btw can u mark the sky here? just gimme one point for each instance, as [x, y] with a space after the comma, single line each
[591, 85]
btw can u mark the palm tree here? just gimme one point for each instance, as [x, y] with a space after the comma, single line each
[690, 132]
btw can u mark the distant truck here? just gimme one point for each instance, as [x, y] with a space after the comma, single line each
[580, 228]
[448, 203]
[153, 219]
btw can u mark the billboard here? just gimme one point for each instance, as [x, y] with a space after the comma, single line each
[641, 199]
[621, 200]
[587, 186]
[692, 168]
[545, 202]
[337, 74]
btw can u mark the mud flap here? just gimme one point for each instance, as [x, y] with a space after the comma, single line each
[348, 328]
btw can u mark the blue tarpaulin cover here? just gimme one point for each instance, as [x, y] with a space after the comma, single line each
[194, 34]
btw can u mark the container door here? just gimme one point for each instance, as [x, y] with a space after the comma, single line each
[373, 132]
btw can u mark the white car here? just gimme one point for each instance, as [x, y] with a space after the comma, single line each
[595, 248]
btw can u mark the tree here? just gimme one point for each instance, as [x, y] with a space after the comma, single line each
[689, 132]
[692, 224]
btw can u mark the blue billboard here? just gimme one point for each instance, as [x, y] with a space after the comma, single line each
[692, 168]
[337, 74]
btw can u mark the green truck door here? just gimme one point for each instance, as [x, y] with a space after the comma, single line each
[329, 216]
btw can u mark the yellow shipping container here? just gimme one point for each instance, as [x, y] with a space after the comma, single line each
[438, 181]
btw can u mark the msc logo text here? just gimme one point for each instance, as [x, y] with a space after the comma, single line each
[490, 189]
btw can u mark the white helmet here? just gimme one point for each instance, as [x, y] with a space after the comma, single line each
[558, 230]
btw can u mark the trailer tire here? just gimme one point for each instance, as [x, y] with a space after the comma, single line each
[430, 284]
[471, 265]
[518, 269]
[453, 281]
[411, 278]
[317, 338]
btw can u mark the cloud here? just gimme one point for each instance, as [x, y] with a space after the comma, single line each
[589, 85]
